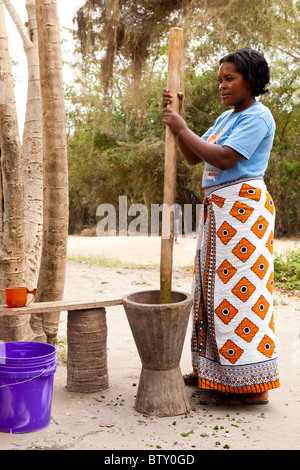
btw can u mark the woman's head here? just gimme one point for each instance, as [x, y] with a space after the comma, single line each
[254, 68]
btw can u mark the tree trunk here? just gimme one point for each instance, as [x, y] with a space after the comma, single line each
[87, 351]
[55, 169]
[12, 259]
[32, 147]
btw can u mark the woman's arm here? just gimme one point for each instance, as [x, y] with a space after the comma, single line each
[189, 155]
[220, 157]
[192, 146]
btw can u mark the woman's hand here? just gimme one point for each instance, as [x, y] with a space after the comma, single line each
[170, 117]
[168, 99]
[173, 119]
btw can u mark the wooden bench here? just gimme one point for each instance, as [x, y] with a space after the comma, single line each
[86, 338]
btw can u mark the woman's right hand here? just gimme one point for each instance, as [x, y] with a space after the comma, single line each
[168, 98]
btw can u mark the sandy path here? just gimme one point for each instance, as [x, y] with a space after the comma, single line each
[144, 250]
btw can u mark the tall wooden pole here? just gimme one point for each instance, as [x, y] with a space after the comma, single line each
[167, 238]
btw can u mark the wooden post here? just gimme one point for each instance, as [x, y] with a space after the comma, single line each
[167, 237]
[87, 351]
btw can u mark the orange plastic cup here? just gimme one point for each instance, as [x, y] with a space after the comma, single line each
[17, 296]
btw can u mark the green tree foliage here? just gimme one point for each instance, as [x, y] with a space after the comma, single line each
[287, 269]
[116, 139]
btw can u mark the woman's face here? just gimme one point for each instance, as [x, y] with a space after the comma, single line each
[235, 90]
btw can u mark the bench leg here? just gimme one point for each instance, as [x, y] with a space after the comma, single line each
[87, 351]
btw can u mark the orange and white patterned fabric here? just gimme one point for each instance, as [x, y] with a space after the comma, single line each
[233, 339]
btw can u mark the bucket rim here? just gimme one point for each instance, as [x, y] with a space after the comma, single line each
[50, 351]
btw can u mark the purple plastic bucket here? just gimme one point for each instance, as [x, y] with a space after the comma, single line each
[26, 385]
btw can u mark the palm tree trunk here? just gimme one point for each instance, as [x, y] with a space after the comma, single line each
[55, 169]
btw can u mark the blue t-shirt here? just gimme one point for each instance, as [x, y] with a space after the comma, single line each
[249, 132]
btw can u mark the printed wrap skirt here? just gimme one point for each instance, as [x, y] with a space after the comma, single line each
[233, 340]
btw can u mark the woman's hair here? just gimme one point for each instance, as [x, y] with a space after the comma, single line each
[253, 66]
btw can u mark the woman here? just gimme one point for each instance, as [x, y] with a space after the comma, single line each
[233, 341]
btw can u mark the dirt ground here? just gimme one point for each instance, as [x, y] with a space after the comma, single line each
[108, 421]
